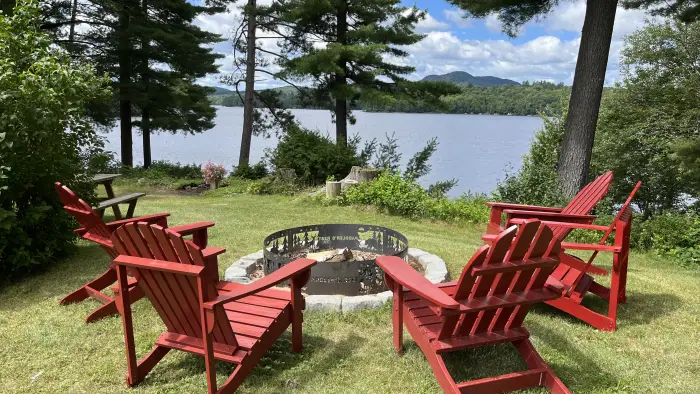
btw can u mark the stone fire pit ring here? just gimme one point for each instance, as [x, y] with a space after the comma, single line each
[435, 271]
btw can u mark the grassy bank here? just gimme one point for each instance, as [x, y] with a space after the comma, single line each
[46, 348]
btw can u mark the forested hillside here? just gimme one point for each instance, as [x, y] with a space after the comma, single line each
[522, 99]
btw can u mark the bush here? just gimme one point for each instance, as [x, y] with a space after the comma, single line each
[47, 137]
[271, 185]
[315, 157]
[257, 171]
[403, 196]
[536, 181]
[162, 169]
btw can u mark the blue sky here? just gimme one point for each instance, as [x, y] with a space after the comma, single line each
[545, 49]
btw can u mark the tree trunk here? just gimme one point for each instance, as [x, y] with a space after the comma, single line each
[125, 84]
[73, 16]
[8, 7]
[146, 80]
[586, 93]
[249, 99]
[341, 104]
[146, 136]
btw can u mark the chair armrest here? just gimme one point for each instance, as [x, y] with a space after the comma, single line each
[406, 276]
[504, 205]
[582, 226]
[551, 216]
[599, 248]
[189, 229]
[148, 219]
[210, 252]
[290, 270]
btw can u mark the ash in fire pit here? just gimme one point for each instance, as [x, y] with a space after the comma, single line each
[345, 252]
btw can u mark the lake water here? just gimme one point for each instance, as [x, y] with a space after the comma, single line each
[474, 149]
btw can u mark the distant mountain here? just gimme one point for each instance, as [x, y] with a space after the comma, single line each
[221, 91]
[464, 78]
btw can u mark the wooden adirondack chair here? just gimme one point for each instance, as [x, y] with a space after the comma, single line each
[577, 280]
[486, 305]
[96, 230]
[224, 321]
[577, 211]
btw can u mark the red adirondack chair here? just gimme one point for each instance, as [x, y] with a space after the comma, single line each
[577, 279]
[577, 211]
[223, 321]
[96, 230]
[486, 305]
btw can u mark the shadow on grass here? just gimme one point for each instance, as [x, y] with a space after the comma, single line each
[276, 362]
[640, 309]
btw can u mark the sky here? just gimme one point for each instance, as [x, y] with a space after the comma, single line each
[545, 49]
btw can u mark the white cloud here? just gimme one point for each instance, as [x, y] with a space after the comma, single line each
[457, 18]
[569, 17]
[430, 24]
[492, 23]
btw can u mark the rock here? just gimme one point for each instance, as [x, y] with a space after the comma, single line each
[416, 253]
[232, 273]
[247, 265]
[435, 268]
[385, 296]
[241, 279]
[358, 303]
[323, 303]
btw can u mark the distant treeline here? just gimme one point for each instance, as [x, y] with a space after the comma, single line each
[525, 99]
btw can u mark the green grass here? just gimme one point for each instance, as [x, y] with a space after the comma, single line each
[46, 348]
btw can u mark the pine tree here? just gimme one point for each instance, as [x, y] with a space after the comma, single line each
[589, 78]
[345, 47]
[154, 54]
[168, 97]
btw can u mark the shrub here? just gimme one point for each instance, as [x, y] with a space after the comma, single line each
[257, 171]
[403, 196]
[47, 137]
[162, 170]
[271, 185]
[536, 181]
[315, 157]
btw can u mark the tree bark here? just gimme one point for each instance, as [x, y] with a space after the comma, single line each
[584, 105]
[8, 7]
[73, 15]
[249, 98]
[341, 104]
[146, 80]
[125, 84]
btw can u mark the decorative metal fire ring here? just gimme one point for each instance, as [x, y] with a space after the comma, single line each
[346, 255]
[435, 271]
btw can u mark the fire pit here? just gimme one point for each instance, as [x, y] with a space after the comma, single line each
[346, 254]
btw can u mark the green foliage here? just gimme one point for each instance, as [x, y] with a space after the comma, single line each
[163, 169]
[536, 181]
[387, 156]
[256, 171]
[399, 195]
[684, 10]
[272, 185]
[526, 99]
[418, 164]
[676, 235]
[359, 39]
[46, 137]
[512, 14]
[314, 157]
[650, 115]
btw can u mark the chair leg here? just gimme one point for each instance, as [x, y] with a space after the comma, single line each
[535, 362]
[101, 282]
[397, 317]
[237, 377]
[597, 320]
[135, 294]
[146, 365]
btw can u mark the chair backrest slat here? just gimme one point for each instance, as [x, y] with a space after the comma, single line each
[531, 242]
[584, 201]
[95, 228]
[175, 296]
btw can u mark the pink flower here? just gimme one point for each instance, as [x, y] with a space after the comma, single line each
[213, 172]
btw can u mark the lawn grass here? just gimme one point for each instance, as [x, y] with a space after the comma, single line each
[46, 348]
